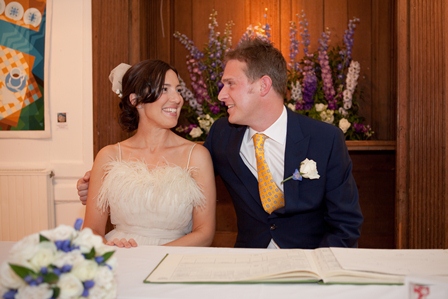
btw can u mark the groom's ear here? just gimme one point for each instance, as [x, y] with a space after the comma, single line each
[265, 85]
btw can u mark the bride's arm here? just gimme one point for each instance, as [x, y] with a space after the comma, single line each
[203, 217]
[95, 218]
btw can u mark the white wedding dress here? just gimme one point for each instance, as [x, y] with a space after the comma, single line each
[152, 205]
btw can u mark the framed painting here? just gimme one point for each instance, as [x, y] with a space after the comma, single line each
[24, 106]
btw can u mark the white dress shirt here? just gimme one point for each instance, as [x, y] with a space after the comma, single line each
[274, 148]
[274, 151]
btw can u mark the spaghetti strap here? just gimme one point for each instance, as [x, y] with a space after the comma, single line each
[119, 151]
[189, 156]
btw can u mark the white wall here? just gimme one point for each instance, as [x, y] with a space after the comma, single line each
[69, 151]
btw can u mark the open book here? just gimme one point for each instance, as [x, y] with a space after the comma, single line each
[324, 265]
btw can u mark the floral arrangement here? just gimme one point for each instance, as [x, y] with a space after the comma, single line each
[202, 106]
[322, 85]
[65, 262]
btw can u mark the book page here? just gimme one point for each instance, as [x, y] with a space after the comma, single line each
[331, 271]
[276, 265]
[394, 261]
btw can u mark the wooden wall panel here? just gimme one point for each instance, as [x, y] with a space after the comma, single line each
[383, 86]
[180, 17]
[110, 42]
[444, 123]
[421, 145]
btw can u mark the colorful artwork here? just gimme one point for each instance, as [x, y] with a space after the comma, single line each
[23, 107]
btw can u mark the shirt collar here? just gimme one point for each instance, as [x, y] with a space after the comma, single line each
[277, 131]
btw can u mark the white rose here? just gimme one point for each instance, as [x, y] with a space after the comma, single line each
[196, 132]
[85, 270]
[292, 107]
[44, 256]
[320, 107]
[327, 116]
[67, 258]
[35, 292]
[344, 124]
[330, 118]
[308, 169]
[98, 292]
[205, 122]
[70, 286]
[105, 279]
[62, 232]
[24, 249]
[8, 278]
[86, 239]
[112, 262]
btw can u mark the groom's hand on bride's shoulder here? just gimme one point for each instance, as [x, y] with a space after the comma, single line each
[83, 187]
[122, 243]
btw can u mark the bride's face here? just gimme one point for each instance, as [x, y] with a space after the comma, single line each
[166, 109]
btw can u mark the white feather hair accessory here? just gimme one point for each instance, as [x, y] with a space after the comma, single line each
[116, 76]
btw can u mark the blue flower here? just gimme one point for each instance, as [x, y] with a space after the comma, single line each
[78, 224]
[296, 176]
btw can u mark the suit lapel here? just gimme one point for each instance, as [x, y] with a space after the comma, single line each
[244, 174]
[295, 152]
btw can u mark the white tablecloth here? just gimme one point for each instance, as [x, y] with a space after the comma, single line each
[135, 264]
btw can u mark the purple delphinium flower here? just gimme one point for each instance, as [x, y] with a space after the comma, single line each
[293, 47]
[304, 32]
[205, 69]
[309, 89]
[215, 108]
[309, 76]
[195, 67]
[358, 128]
[348, 37]
[346, 54]
[327, 80]
[266, 27]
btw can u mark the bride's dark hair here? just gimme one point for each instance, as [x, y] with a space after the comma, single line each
[146, 79]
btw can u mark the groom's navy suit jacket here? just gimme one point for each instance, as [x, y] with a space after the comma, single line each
[317, 213]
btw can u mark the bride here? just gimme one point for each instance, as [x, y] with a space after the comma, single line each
[158, 187]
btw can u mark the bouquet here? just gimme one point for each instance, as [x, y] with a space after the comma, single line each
[65, 262]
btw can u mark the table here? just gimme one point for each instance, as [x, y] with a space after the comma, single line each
[135, 264]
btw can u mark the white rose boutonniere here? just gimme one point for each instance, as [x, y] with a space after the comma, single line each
[308, 170]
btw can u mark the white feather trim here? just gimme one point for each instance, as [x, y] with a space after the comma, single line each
[133, 186]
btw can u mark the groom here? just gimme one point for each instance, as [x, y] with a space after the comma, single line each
[317, 210]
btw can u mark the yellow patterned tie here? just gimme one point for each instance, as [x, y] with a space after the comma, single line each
[271, 196]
